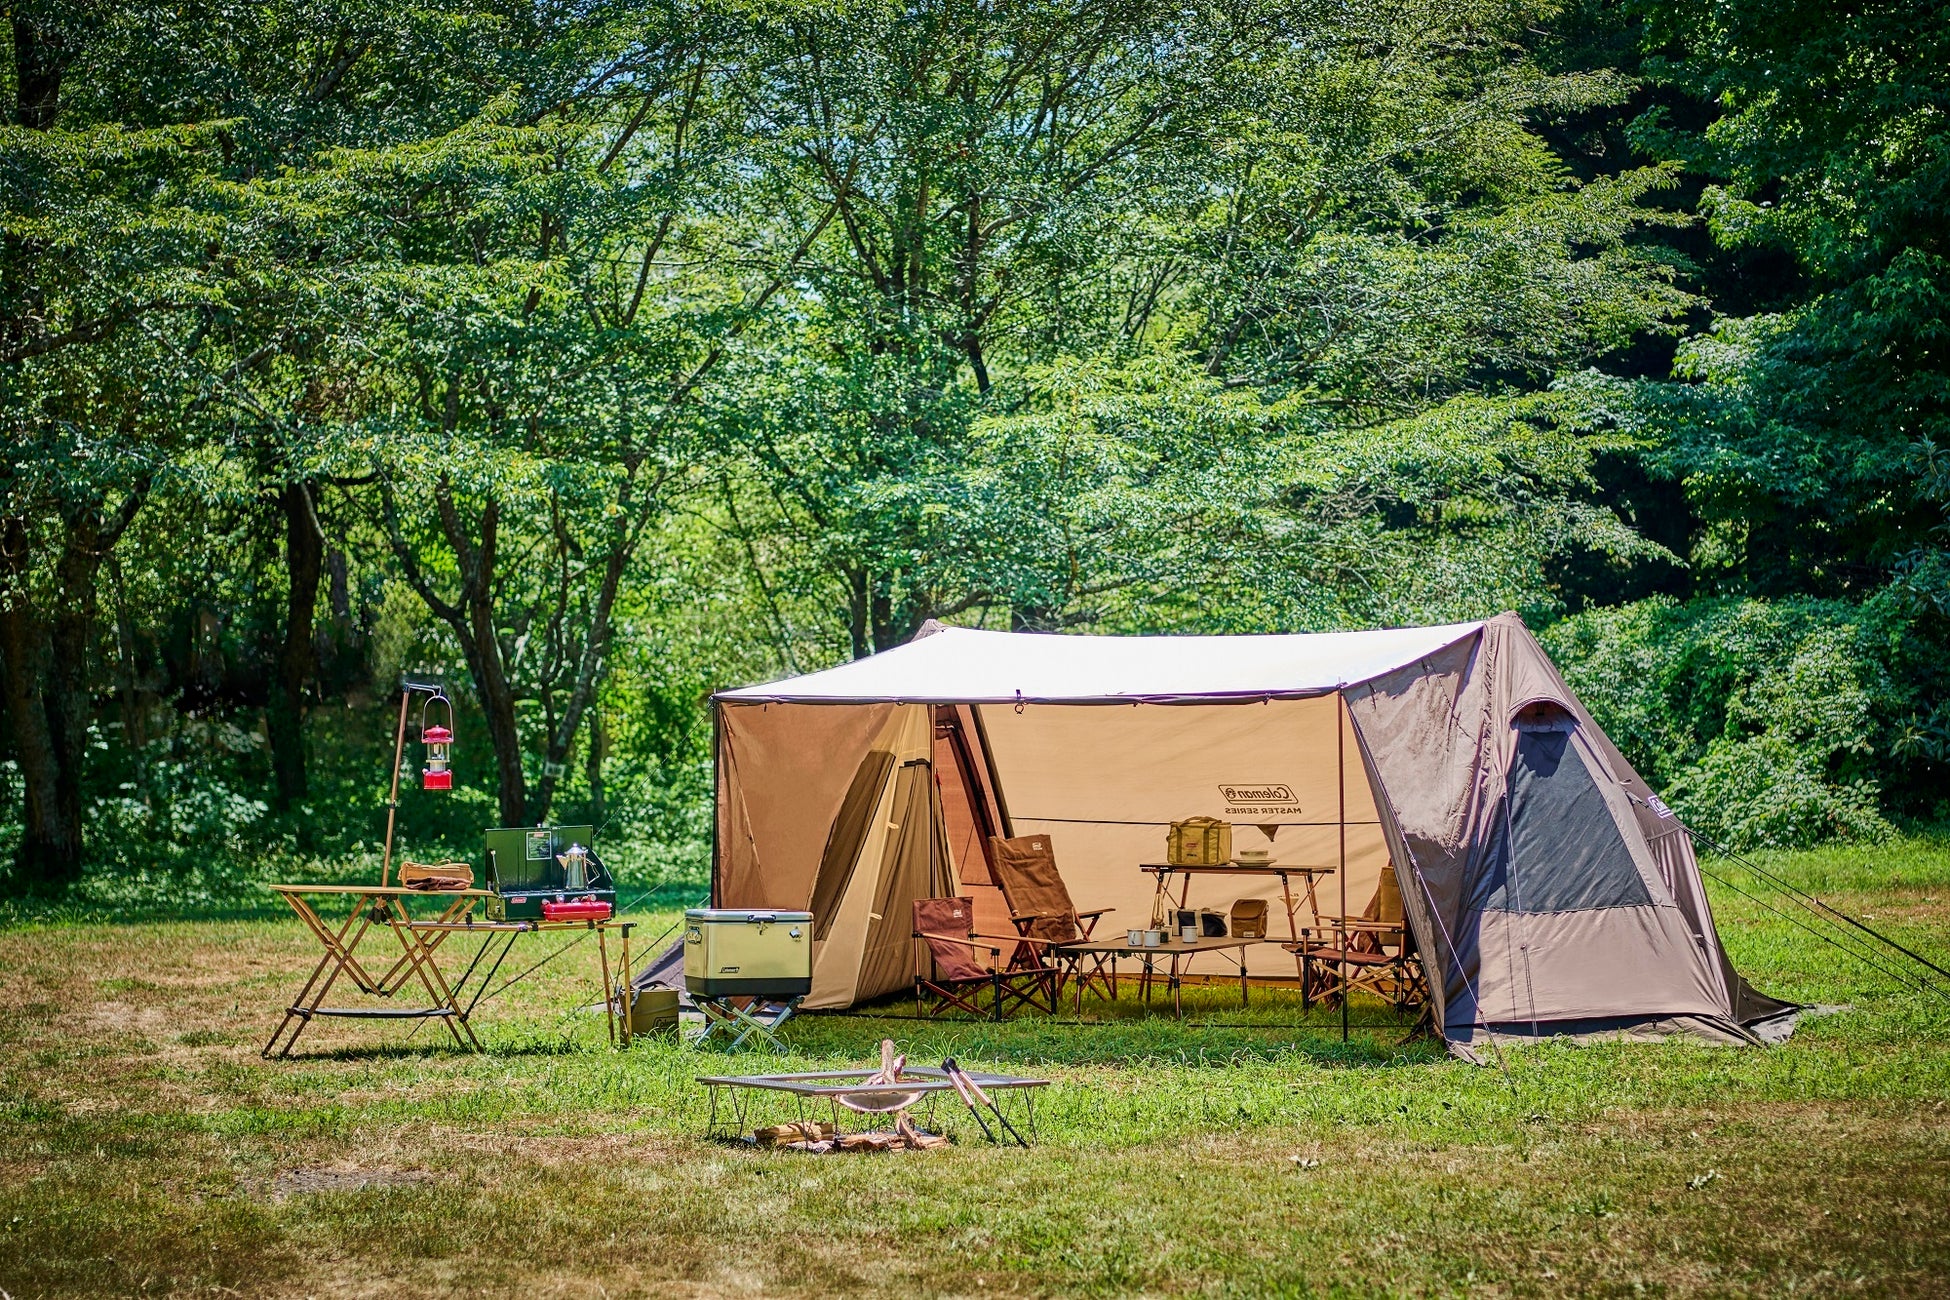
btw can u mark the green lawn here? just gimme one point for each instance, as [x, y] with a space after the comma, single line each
[145, 1148]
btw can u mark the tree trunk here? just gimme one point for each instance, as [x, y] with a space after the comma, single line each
[497, 701]
[471, 618]
[593, 765]
[304, 549]
[49, 855]
[46, 682]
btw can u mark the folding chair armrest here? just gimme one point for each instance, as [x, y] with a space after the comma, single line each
[1032, 940]
[966, 942]
[1097, 912]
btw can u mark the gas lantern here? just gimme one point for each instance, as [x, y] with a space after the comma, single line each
[438, 774]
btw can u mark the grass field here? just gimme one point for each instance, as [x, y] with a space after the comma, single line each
[146, 1149]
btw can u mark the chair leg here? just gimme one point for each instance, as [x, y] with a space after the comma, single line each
[995, 981]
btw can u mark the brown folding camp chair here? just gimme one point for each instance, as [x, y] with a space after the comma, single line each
[1040, 908]
[960, 977]
[1378, 955]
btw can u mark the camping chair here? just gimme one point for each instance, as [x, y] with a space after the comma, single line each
[960, 977]
[1378, 955]
[1041, 910]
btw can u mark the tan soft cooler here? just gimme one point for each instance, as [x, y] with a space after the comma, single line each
[1199, 842]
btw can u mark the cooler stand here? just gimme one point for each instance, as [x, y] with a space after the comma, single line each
[762, 1018]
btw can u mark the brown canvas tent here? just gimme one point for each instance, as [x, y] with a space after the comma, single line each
[1547, 888]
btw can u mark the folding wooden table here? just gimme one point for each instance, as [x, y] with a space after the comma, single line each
[1164, 871]
[384, 908]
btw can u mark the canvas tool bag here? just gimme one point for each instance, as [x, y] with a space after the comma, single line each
[436, 877]
[1199, 842]
[1249, 918]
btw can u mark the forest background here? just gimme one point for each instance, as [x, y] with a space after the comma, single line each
[597, 355]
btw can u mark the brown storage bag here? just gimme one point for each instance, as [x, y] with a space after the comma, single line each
[1249, 918]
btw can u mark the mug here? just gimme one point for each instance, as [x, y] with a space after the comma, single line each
[1154, 938]
[1189, 934]
[1135, 938]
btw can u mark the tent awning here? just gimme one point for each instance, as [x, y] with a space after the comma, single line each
[953, 665]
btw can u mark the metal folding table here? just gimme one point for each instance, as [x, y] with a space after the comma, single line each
[851, 1090]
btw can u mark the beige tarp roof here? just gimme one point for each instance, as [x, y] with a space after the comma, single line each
[1548, 890]
[957, 665]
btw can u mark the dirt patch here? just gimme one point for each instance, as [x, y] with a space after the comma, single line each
[300, 1182]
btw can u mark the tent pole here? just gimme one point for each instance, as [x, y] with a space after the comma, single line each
[1340, 782]
[995, 780]
[717, 788]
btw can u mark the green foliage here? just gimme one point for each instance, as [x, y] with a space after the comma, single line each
[595, 357]
[1765, 723]
[1796, 432]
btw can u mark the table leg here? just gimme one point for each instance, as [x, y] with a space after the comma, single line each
[1177, 990]
[609, 995]
[336, 942]
[291, 1010]
[627, 991]
[420, 961]
[338, 954]
[1292, 926]
[1242, 977]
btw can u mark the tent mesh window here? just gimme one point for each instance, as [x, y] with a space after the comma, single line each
[1557, 848]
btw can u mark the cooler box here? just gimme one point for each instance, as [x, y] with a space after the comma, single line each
[742, 952]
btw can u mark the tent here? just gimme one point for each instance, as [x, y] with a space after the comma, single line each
[1547, 889]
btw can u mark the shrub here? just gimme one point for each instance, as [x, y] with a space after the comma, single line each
[1765, 723]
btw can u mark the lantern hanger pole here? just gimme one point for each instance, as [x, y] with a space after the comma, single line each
[407, 686]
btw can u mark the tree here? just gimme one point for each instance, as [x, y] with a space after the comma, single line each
[1802, 434]
[1305, 229]
[107, 239]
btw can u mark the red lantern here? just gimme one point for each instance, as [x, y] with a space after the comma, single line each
[438, 773]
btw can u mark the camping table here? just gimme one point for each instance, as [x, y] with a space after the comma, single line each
[1176, 949]
[851, 1089]
[1164, 871]
[383, 907]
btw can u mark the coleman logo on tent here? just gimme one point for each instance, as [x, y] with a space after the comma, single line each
[1256, 793]
[1259, 797]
